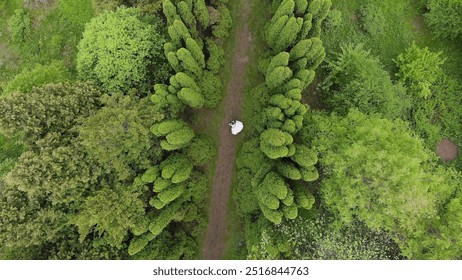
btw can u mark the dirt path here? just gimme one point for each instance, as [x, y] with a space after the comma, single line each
[216, 231]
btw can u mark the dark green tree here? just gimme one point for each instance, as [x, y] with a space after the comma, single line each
[445, 18]
[51, 108]
[356, 79]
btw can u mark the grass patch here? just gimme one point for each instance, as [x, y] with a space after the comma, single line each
[55, 33]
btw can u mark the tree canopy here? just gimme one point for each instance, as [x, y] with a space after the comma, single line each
[122, 50]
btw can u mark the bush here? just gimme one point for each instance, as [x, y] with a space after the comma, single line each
[116, 135]
[212, 89]
[38, 76]
[78, 12]
[445, 18]
[334, 19]
[356, 79]
[216, 56]
[225, 22]
[20, 27]
[419, 69]
[106, 5]
[201, 150]
[372, 19]
[201, 12]
[122, 50]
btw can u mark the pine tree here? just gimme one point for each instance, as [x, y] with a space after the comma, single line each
[278, 76]
[201, 13]
[188, 62]
[274, 30]
[196, 51]
[185, 12]
[170, 12]
[275, 143]
[286, 8]
[288, 34]
[191, 98]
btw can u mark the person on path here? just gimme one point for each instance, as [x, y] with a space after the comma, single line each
[236, 127]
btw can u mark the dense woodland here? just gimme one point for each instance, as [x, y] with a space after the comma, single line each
[103, 154]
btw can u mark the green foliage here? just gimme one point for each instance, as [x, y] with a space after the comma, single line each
[225, 22]
[315, 238]
[419, 69]
[122, 50]
[188, 63]
[278, 76]
[116, 135]
[78, 12]
[20, 27]
[216, 56]
[110, 213]
[37, 76]
[334, 19]
[168, 214]
[376, 171]
[212, 89]
[445, 18]
[164, 101]
[170, 11]
[139, 243]
[186, 14]
[101, 6]
[274, 29]
[201, 150]
[177, 134]
[177, 168]
[196, 51]
[356, 79]
[10, 150]
[201, 12]
[372, 19]
[275, 143]
[51, 108]
[288, 34]
[191, 98]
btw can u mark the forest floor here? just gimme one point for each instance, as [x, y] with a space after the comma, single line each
[215, 242]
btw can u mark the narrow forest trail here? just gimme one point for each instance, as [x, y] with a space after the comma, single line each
[215, 242]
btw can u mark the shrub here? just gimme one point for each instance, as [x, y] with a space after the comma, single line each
[445, 18]
[357, 79]
[216, 56]
[372, 19]
[225, 22]
[185, 12]
[201, 150]
[37, 76]
[419, 69]
[201, 12]
[122, 50]
[212, 89]
[334, 19]
[19, 26]
[106, 5]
